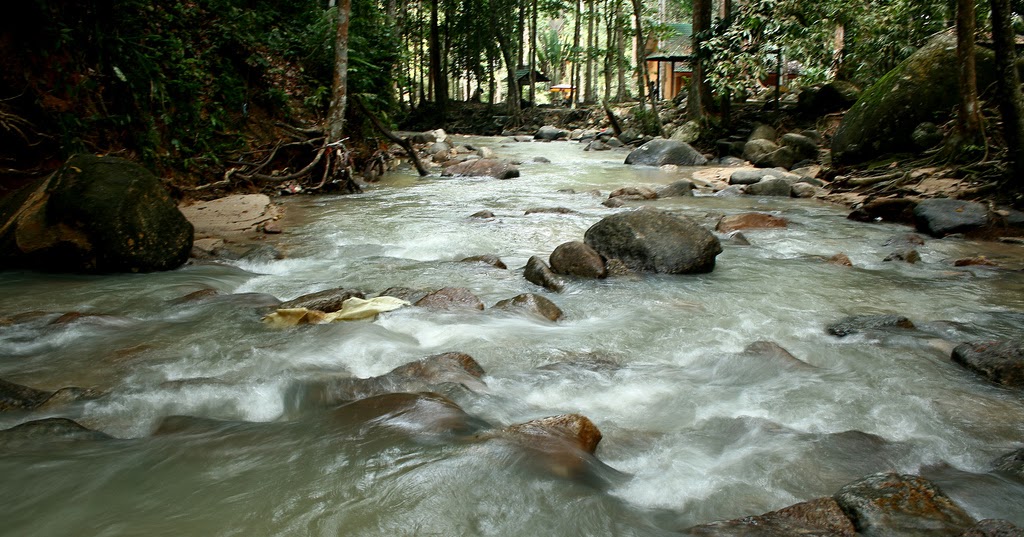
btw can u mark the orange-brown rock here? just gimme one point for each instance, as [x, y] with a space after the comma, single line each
[728, 224]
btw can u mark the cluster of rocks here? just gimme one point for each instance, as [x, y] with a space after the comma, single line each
[643, 240]
[438, 149]
[941, 217]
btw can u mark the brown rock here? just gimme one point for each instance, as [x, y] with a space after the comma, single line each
[482, 214]
[773, 351]
[897, 210]
[451, 298]
[820, 517]
[890, 504]
[273, 227]
[486, 259]
[840, 259]
[327, 301]
[17, 397]
[994, 528]
[975, 261]
[550, 210]
[907, 256]
[634, 193]
[1001, 362]
[577, 259]
[737, 222]
[574, 428]
[485, 167]
[532, 303]
[537, 272]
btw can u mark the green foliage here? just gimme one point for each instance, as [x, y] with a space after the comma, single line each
[878, 34]
[646, 121]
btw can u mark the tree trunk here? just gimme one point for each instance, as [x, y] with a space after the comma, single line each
[533, 52]
[576, 63]
[968, 114]
[609, 51]
[588, 85]
[438, 79]
[700, 93]
[641, 66]
[339, 93]
[620, 63]
[513, 97]
[1008, 85]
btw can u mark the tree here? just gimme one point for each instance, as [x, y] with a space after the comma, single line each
[339, 89]
[1008, 85]
[700, 92]
[968, 115]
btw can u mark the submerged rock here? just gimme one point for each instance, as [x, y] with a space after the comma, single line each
[821, 517]
[893, 505]
[634, 193]
[533, 304]
[486, 259]
[994, 528]
[1011, 463]
[485, 167]
[860, 323]
[650, 240]
[451, 298]
[731, 223]
[327, 301]
[424, 415]
[899, 210]
[773, 351]
[48, 430]
[577, 259]
[680, 188]
[1001, 362]
[16, 397]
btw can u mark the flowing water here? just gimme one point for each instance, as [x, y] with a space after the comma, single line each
[694, 431]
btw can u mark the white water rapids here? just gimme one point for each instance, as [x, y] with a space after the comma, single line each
[696, 431]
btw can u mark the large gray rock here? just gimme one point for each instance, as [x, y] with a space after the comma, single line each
[680, 188]
[650, 240]
[95, 214]
[484, 167]
[758, 150]
[894, 505]
[533, 304]
[804, 147]
[772, 186]
[922, 88]
[994, 528]
[1001, 362]
[550, 133]
[659, 152]
[941, 217]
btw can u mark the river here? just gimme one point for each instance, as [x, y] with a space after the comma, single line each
[694, 430]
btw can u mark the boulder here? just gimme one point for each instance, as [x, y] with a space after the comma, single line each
[941, 217]
[614, 143]
[651, 240]
[533, 304]
[550, 133]
[859, 323]
[629, 136]
[484, 167]
[1001, 362]
[803, 147]
[17, 397]
[549, 210]
[895, 505]
[486, 259]
[816, 101]
[804, 190]
[485, 215]
[736, 222]
[763, 132]
[758, 149]
[572, 428]
[659, 152]
[993, 528]
[687, 133]
[634, 193]
[749, 176]
[820, 517]
[1011, 463]
[897, 210]
[438, 148]
[577, 259]
[908, 255]
[613, 203]
[597, 145]
[926, 136]
[327, 301]
[537, 272]
[451, 298]
[49, 430]
[770, 186]
[783, 157]
[415, 414]
[94, 214]
[922, 88]
[680, 188]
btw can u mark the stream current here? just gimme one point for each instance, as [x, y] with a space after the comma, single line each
[694, 430]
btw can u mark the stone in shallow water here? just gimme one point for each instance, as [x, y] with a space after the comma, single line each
[890, 504]
[861, 323]
[577, 259]
[1001, 362]
[821, 517]
[537, 272]
[531, 303]
[651, 240]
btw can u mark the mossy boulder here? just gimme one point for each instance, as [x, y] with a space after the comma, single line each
[94, 214]
[921, 89]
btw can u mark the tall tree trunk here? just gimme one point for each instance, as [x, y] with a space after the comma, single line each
[641, 65]
[438, 78]
[576, 63]
[620, 48]
[609, 51]
[700, 94]
[339, 93]
[968, 114]
[513, 97]
[727, 96]
[1008, 86]
[533, 52]
[588, 85]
